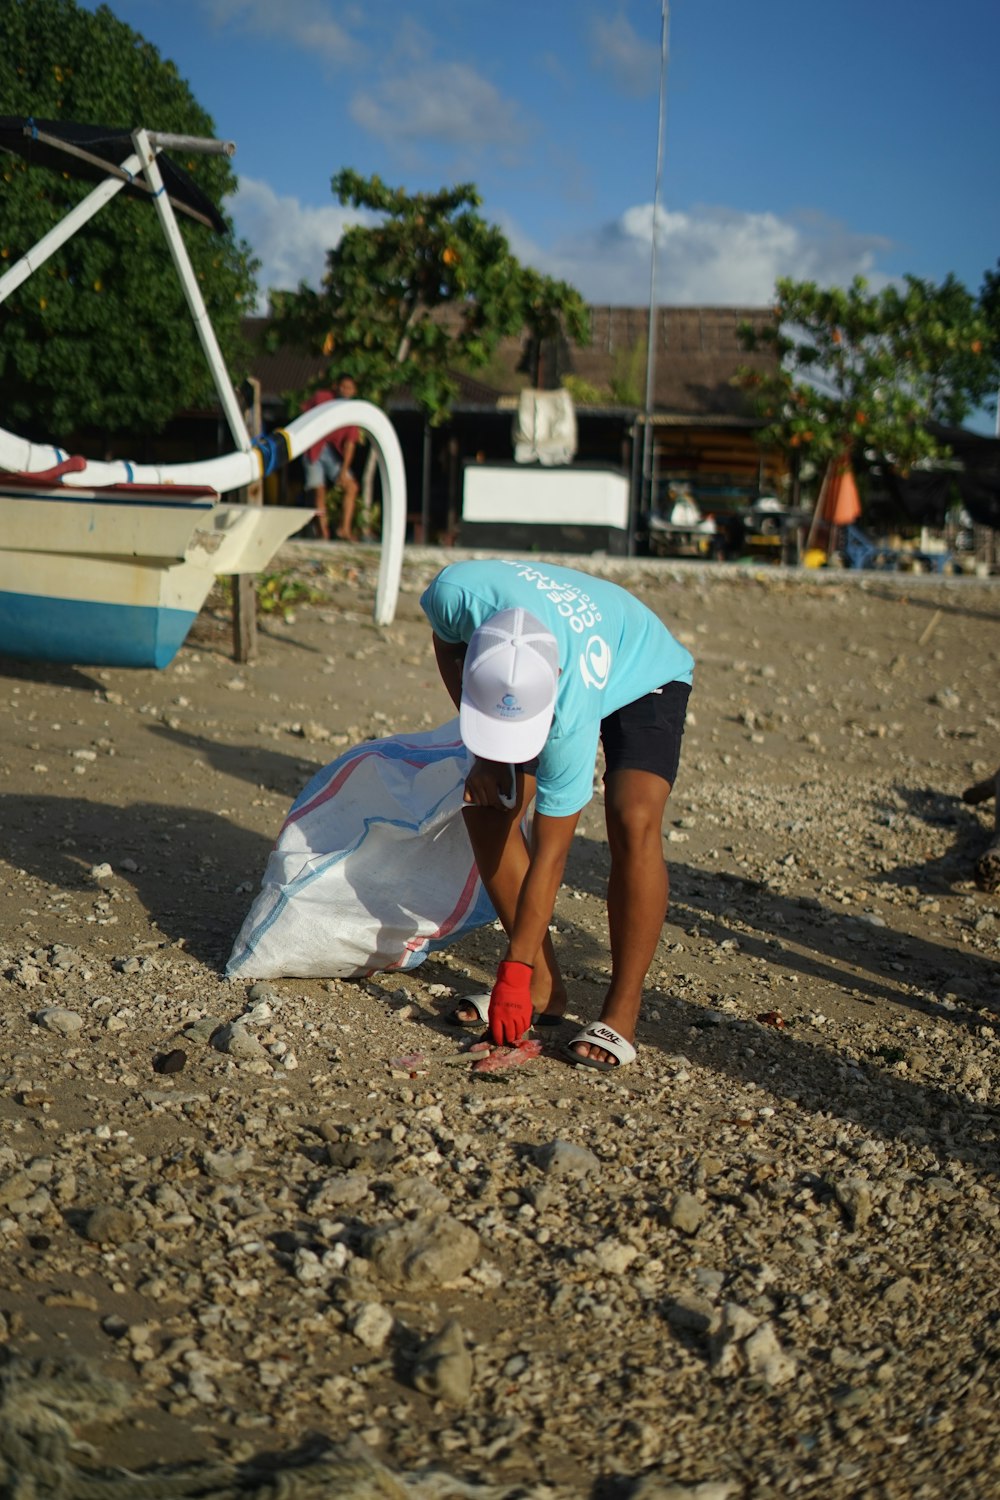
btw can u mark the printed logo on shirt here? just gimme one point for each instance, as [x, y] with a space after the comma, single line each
[595, 662]
[568, 599]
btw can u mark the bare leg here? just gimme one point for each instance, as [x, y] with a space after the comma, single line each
[349, 491]
[322, 520]
[638, 895]
[502, 860]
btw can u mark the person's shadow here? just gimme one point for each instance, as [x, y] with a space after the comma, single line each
[195, 872]
[942, 809]
[277, 770]
[821, 949]
[807, 938]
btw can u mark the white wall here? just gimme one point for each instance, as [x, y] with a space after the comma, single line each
[551, 497]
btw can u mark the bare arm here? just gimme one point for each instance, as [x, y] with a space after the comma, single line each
[550, 841]
[450, 660]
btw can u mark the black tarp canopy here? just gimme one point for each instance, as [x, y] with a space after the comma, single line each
[94, 152]
[971, 477]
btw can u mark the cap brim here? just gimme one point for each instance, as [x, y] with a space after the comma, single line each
[495, 740]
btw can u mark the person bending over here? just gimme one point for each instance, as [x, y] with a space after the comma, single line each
[542, 662]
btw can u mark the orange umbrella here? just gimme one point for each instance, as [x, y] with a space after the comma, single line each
[842, 506]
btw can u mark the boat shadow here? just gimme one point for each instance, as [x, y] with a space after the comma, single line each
[51, 674]
[193, 872]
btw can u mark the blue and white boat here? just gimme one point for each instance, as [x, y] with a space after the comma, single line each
[109, 562]
[116, 576]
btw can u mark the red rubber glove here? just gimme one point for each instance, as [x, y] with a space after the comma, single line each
[510, 1003]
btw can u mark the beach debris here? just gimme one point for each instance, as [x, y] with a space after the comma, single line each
[501, 1058]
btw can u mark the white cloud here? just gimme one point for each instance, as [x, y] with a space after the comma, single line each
[443, 103]
[307, 24]
[708, 256]
[289, 238]
[409, 100]
[634, 64]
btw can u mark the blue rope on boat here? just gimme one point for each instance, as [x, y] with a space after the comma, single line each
[129, 471]
[273, 449]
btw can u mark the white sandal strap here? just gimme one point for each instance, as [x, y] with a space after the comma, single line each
[600, 1034]
[480, 1004]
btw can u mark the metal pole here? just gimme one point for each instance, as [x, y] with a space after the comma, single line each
[164, 141]
[651, 333]
[192, 292]
[635, 491]
[95, 200]
[67, 226]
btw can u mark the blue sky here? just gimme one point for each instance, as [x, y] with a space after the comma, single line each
[803, 139]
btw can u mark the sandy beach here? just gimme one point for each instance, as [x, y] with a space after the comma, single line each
[760, 1262]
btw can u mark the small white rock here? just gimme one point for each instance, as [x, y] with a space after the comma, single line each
[57, 1018]
[372, 1324]
[614, 1257]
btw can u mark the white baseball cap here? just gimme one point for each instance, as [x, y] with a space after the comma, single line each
[509, 687]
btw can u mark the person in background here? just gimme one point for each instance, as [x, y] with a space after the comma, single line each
[328, 464]
[542, 662]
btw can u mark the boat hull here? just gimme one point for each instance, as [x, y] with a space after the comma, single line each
[38, 627]
[75, 589]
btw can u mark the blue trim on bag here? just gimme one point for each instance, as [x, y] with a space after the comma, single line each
[393, 748]
[302, 882]
[385, 750]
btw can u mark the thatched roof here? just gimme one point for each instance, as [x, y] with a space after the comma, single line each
[284, 371]
[697, 353]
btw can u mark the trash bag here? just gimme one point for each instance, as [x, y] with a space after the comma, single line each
[372, 869]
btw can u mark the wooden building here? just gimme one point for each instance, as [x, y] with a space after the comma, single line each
[702, 433]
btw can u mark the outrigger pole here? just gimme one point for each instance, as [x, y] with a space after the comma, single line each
[149, 172]
[148, 144]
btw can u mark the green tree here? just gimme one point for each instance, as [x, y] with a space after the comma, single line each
[585, 392]
[870, 371]
[428, 288]
[989, 304]
[551, 312]
[100, 336]
[628, 379]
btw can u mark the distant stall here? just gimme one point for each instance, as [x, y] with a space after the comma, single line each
[566, 508]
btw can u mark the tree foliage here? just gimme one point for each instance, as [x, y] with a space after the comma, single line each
[100, 336]
[989, 302]
[426, 288]
[628, 379]
[870, 371]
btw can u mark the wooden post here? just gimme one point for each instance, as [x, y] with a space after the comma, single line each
[795, 498]
[244, 584]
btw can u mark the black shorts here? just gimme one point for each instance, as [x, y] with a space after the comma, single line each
[646, 735]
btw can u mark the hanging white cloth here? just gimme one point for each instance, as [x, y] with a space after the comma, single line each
[545, 428]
